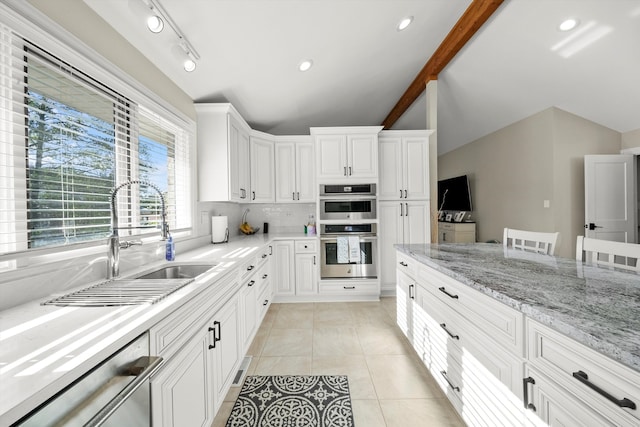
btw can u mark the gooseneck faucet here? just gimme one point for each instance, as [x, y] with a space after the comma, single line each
[113, 253]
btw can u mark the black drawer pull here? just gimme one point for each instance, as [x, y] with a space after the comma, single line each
[411, 294]
[264, 276]
[349, 287]
[264, 256]
[444, 291]
[525, 393]
[265, 302]
[584, 379]
[404, 264]
[251, 267]
[444, 326]
[444, 374]
[251, 283]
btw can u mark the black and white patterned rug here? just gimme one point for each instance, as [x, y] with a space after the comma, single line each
[293, 401]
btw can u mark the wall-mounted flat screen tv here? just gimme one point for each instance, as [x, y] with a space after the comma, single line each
[454, 194]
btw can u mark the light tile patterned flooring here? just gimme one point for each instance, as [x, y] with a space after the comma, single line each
[388, 385]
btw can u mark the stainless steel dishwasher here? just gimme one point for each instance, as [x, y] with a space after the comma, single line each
[114, 393]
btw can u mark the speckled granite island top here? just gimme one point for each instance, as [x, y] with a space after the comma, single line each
[598, 307]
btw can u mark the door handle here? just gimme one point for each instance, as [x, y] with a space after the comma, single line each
[525, 393]
[345, 171]
[406, 209]
[584, 379]
[401, 210]
[591, 226]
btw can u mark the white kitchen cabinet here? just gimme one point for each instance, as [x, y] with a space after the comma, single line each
[306, 261]
[295, 170]
[347, 154]
[401, 222]
[261, 153]
[284, 273]
[404, 165]
[223, 153]
[255, 278]
[226, 353]
[456, 232]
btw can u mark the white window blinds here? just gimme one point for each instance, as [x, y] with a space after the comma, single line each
[66, 140]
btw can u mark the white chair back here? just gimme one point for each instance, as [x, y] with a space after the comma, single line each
[608, 253]
[533, 241]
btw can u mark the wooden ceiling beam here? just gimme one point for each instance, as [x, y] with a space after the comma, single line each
[469, 23]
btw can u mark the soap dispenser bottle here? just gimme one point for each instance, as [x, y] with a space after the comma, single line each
[170, 252]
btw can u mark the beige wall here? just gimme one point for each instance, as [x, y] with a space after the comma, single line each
[631, 139]
[81, 21]
[515, 169]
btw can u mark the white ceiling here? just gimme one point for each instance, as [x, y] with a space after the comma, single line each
[250, 50]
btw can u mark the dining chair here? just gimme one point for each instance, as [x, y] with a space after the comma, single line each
[608, 253]
[533, 241]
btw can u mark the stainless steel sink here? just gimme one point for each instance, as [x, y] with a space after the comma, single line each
[147, 288]
[178, 271]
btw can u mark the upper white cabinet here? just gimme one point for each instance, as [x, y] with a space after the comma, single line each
[346, 153]
[261, 152]
[223, 154]
[295, 169]
[404, 165]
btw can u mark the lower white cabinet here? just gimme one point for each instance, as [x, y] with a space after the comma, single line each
[255, 288]
[296, 263]
[225, 350]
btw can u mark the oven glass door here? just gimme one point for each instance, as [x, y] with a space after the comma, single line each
[332, 268]
[348, 209]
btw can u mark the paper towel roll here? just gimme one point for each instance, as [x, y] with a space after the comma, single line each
[219, 229]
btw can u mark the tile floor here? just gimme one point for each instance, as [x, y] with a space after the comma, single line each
[360, 339]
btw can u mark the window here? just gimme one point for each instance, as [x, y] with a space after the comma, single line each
[66, 141]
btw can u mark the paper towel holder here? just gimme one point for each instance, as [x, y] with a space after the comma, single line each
[226, 238]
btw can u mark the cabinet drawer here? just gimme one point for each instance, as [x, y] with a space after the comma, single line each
[503, 324]
[306, 246]
[264, 301]
[406, 264]
[568, 361]
[343, 288]
[170, 334]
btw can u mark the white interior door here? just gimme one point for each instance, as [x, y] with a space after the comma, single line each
[610, 197]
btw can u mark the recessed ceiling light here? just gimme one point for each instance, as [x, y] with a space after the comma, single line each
[305, 65]
[405, 22]
[155, 24]
[189, 65]
[568, 24]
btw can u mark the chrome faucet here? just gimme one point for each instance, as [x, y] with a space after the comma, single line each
[113, 252]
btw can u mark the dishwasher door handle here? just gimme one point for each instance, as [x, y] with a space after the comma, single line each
[142, 369]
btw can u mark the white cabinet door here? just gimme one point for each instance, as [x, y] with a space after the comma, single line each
[305, 173]
[405, 297]
[284, 268]
[249, 310]
[182, 392]
[391, 169]
[306, 274]
[238, 160]
[390, 233]
[262, 170]
[415, 168]
[404, 166]
[331, 152]
[362, 156]
[225, 353]
[285, 172]
[295, 172]
[416, 219]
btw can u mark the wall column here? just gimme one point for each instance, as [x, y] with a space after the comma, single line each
[432, 123]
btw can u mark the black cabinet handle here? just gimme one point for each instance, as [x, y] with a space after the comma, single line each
[405, 194]
[349, 287]
[270, 250]
[345, 171]
[264, 276]
[404, 264]
[444, 291]
[265, 302]
[314, 260]
[293, 195]
[251, 283]
[401, 194]
[444, 374]
[254, 195]
[214, 338]
[525, 393]
[218, 324]
[411, 294]
[584, 379]
[250, 268]
[264, 256]
[444, 326]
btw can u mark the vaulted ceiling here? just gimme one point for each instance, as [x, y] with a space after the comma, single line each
[517, 64]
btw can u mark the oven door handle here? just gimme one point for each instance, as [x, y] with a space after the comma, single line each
[142, 369]
[362, 238]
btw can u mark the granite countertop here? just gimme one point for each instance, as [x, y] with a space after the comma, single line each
[45, 348]
[598, 307]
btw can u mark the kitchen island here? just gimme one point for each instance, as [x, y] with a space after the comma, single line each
[557, 334]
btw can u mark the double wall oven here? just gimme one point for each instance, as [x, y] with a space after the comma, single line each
[348, 231]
